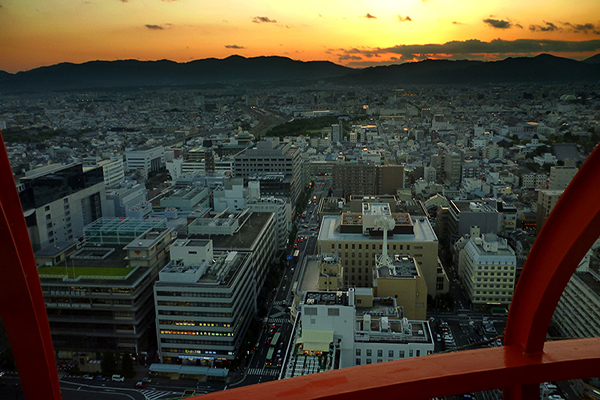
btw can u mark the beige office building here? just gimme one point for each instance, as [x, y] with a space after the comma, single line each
[356, 239]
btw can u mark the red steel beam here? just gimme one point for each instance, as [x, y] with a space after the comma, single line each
[434, 375]
[22, 304]
[569, 232]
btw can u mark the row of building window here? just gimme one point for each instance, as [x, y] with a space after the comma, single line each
[192, 323]
[198, 341]
[193, 294]
[194, 333]
[195, 313]
[373, 247]
[193, 304]
[390, 354]
[195, 351]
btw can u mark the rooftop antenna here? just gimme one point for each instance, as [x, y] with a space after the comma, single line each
[385, 223]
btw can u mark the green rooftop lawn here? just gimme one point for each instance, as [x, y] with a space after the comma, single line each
[84, 271]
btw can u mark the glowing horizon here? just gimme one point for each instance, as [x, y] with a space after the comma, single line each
[35, 33]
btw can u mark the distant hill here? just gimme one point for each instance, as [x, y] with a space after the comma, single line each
[542, 68]
[275, 70]
[593, 59]
[127, 73]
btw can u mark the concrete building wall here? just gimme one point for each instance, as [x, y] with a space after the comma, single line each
[410, 294]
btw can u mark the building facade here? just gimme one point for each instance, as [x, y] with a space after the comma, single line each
[146, 160]
[244, 232]
[356, 240]
[100, 298]
[272, 157]
[578, 311]
[366, 179]
[204, 303]
[58, 203]
[487, 268]
[547, 199]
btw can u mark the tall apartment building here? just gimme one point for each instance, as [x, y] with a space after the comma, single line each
[487, 267]
[560, 177]
[547, 199]
[354, 178]
[99, 297]
[336, 135]
[534, 181]
[272, 157]
[146, 160]
[204, 301]
[58, 201]
[452, 168]
[356, 239]
[390, 178]
[469, 169]
[366, 179]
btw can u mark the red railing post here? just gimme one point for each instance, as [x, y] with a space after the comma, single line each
[22, 304]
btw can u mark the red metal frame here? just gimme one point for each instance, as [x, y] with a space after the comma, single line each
[518, 366]
[22, 304]
[435, 375]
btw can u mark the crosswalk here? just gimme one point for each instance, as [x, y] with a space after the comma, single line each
[150, 394]
[263, 371]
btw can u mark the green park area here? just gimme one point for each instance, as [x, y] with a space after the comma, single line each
[84, 271]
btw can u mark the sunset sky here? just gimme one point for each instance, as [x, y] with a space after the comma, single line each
[355, 33]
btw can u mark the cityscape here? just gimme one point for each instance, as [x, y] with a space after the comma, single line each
[203, 225]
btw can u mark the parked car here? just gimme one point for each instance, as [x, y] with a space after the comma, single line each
[118, 378]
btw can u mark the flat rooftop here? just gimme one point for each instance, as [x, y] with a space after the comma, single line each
[93, 266]
[401, 267]
[326, 298]
[221, 271]
[244, 238]
[422, 232]
[474, 206]
[376, 209]
[398, 331]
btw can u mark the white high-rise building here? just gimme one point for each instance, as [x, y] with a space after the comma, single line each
[146, 160]
[487, 267]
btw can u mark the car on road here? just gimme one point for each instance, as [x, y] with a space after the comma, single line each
[146, 379]
[118, 378]
[100, 378]
[141, 385]
[88, 377]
